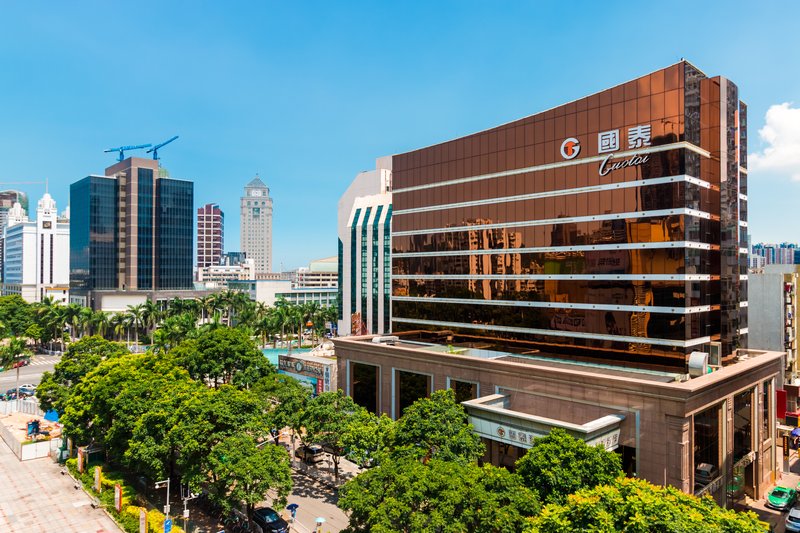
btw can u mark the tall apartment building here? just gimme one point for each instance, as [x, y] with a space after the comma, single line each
[131, 231]
[256, 224]
[210, 235]
[773, 293]
[36, 254]
[7, 201]
[579, 268]
[364, 270]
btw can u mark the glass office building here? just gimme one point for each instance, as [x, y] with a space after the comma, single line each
[93, 234]
[611, 226]
[132, 231]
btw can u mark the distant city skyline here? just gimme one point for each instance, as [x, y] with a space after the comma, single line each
[270, 89]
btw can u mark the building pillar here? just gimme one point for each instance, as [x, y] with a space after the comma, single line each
[679, 460]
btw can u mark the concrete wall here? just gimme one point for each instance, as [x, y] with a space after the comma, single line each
[765, 313]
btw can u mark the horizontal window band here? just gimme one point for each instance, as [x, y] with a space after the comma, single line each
[537, 168]
[562, 220]
[560, 305]
[559, 192]
[564, 277]
[556, 249]
[560, 333]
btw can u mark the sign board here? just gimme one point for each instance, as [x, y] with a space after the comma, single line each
[786, 446]
[167, 525]
[81, 459]
[142, 521]
[98, 473]
[524, 437]
[118, 497]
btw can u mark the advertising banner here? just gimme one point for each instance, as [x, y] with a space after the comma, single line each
[142, 521]
[80, 459]
[98, 473]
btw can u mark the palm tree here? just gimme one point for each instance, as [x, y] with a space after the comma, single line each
[100, 323]
[151, 315]
[72, 316]
[118, 324]
[136, 314]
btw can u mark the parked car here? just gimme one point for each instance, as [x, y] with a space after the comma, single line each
[310, 454]
[24, 390]
[781, 498]
[705, 473]
[21, 363]
[793, 521]
[270, 521]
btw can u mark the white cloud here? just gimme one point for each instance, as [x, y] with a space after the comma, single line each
[781, 134]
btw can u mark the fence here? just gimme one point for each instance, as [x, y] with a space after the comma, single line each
[27, 406]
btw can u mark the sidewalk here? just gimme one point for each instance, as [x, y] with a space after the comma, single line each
[35, 497]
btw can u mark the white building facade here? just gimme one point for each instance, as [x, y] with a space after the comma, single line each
[36, 254]
[256, 224]
[365, 227]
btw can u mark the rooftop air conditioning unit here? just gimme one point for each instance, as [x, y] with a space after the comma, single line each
[698, 364]
[385, 339]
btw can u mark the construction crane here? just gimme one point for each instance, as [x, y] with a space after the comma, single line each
[122, 149]
[155, 148]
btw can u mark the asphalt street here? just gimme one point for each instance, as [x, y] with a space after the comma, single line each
[29, 374]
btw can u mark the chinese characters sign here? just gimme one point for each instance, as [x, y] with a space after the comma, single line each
[638, 137]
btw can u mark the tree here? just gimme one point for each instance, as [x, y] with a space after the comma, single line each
[15, 314]
[437, 427]
[558, 465]
[326, 420]
[244, 472]
[368, 438]
[636, 506]
[223, 355]
[15, 349]
[404, 494]
[286, 399]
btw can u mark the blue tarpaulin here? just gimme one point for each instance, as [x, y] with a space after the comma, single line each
[51, 415]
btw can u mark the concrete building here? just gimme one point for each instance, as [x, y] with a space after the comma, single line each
[210, 235]
[218, 276]
[269, 291]
[256, 224]
[36, 253]
[586, 268]
[773, 291]
[131, 232]
[364, 270]
[319, 273]
[7, 201]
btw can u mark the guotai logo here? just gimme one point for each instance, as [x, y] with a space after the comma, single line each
[570, 148]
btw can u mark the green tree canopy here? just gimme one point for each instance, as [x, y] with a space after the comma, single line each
[404, 494]
[368, 438]
[326, 419]
[636, 506]
[81, 357]
[437, 427]
[244, 472]
[558, 465]
[223, 355]
[15, 314]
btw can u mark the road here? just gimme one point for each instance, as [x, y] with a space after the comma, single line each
[29, 374]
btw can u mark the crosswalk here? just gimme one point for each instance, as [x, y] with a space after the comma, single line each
[43, 360]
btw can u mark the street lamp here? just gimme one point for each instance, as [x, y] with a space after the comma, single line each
[161, 485]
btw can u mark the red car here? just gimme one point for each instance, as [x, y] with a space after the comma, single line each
[21, 363]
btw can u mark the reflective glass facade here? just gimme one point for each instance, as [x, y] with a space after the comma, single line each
[145, 229]
[174, 223]
[93, 234]
[608, 226]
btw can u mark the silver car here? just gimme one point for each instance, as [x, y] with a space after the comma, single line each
[793, 520]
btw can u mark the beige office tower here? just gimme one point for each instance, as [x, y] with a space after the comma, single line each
[256, 225]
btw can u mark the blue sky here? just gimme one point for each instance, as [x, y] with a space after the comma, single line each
[308, 94]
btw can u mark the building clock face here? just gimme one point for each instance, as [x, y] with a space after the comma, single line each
[255, 193]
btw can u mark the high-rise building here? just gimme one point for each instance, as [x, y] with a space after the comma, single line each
[7, 201]
[256, 224]
[585, 268]
[210, 235]
[36, 262]
[131, 231]
[364, 226]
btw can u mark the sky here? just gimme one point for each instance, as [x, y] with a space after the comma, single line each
[307, 94]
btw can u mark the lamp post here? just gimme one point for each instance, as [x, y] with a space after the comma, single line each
[162, 484]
